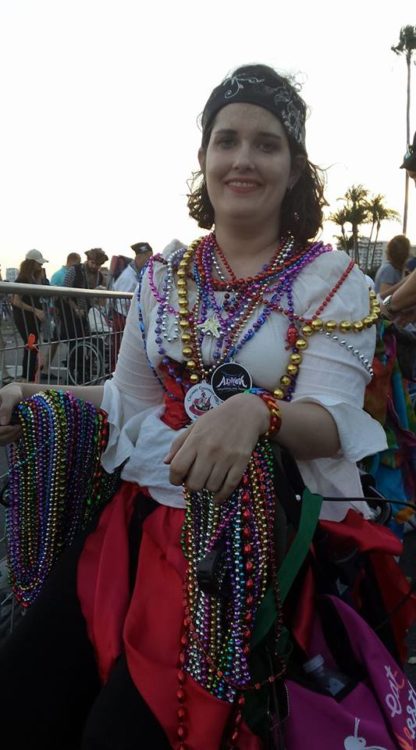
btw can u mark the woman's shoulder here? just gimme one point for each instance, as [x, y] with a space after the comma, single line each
[332, 276]
[327, 267]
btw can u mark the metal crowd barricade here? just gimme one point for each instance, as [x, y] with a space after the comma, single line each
[75, 343]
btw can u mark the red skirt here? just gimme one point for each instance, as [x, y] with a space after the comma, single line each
[147, 624]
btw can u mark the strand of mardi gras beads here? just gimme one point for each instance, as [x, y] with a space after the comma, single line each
[56, 484]
[217, 628]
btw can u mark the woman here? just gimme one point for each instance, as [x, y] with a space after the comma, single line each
[246, 320]
[390, 273]
[28, 313]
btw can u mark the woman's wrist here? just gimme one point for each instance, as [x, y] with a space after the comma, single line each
[388, 304]
[273, 408]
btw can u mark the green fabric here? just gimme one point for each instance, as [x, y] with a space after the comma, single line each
[257, 701]
[266, 613]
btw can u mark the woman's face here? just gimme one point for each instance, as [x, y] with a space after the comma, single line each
[248, 166]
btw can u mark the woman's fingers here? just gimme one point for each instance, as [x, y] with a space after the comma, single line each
[231, 481]
[177, 445]
[10, 434]
[10, 395]
[198, 475]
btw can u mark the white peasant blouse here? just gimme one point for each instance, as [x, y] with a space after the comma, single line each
[330, 374]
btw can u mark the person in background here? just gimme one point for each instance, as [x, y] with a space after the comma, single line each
[85, 275]
[58, 278]
[409, 267]
[391, 271]
[28, 312]
[57, 308]
[97, 317]
[128, 279]
[126, 282]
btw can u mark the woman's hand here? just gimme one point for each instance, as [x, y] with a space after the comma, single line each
[10, 395]
[40, 315]
[214, 452]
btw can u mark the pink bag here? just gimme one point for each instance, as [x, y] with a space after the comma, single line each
[378, 714]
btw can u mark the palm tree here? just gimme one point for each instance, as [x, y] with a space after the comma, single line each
[377, 212]
[340, 218]
[360, 208]
[406, 46]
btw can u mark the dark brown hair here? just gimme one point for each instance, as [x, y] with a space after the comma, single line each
[301, 212]
[30, 272]
[398, 251]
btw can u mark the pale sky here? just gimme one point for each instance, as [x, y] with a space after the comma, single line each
[100, 98]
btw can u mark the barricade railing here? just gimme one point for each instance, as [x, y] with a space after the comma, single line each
[66, 336]
[63, 336]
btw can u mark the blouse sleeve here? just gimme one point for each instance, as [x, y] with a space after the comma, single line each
[133, 392]
[336, 366]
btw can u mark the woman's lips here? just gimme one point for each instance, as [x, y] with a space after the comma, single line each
[242, 186]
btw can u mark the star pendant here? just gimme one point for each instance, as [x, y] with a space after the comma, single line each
[211, 327]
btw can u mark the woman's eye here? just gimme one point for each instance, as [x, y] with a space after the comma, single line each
[268, 146]
[226, 142]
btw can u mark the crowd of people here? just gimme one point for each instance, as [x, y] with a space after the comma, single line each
[254, 344]
[63, 318]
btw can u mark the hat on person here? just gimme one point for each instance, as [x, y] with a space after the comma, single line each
[96, 254]
[37, 256]
[141, 247]
[410, 264]
[409, 160]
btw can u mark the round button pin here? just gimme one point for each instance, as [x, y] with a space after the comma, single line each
[200, 399]
[229, 379]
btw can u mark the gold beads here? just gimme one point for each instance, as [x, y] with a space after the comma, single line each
[317, 324]
[301, 344]
[307, 330]
[331, 325]
[278, 393]
[345, 325]
[295, 358]
[285, 380]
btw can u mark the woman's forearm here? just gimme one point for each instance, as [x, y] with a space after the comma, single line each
[308, 431]
[405, 296]
[17, 302]
[386, 289]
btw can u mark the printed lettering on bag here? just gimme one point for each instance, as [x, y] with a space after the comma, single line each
[393, 700]
[410, 732]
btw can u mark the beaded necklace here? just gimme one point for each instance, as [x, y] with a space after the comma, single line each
[56, 484]
[218, 625]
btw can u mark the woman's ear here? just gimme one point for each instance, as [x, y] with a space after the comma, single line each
[298, 165]
[202, 159]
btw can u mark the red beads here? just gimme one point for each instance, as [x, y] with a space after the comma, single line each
[292, 335]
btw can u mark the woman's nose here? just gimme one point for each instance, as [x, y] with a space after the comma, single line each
[243, 157]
